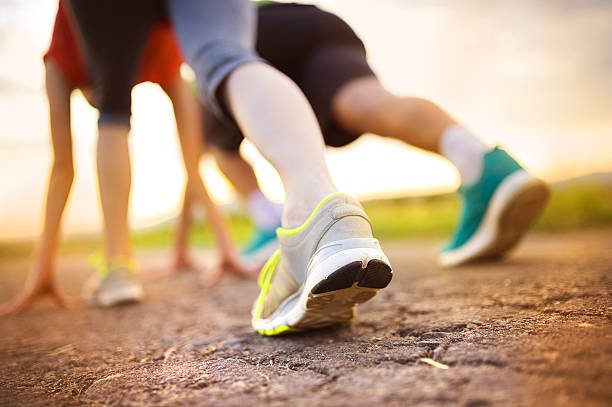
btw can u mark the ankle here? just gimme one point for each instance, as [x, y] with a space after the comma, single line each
[303, 196]
[296, 212]
[299, 208]
[465, 151]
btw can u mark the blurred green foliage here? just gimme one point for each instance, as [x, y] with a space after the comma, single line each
[573, 205]
[582, 205]
[412, 217]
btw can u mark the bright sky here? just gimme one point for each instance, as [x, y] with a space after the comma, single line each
[533, 75]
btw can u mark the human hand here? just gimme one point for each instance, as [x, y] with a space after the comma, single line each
[227, 264]
[182, 262]
[41, 283]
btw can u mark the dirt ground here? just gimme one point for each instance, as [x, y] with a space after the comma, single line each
[533, 330]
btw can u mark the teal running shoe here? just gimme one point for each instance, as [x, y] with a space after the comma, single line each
[497, 211]
[260, 246]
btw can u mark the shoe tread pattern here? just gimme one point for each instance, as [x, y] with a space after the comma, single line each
[333, 300]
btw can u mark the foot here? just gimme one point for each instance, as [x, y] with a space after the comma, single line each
[261, 246]
[119, 285]
[321, 270]
[498, 210]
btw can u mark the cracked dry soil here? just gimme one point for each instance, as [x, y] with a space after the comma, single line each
[532, 330]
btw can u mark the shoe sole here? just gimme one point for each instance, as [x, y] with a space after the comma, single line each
[329, 298]
[333, 300]
[515, 207]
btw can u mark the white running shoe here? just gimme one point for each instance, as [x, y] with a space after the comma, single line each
[321, 271]
[119, 285]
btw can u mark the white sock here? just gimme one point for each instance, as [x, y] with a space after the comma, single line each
[465, 151]
[265, 214]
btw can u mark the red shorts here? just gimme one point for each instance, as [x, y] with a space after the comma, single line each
[161, 60]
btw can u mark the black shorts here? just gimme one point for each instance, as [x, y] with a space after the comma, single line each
[318, 51]
[215, 38]
[112, 35]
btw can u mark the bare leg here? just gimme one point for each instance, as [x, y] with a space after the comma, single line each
[182, 261]
[217, 40]
[42, 279]
[283, 126]
[364, 106]
[266, 215]
[239, 173]
[114, 181]
[189, 124]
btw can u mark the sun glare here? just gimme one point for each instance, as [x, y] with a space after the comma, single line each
[516, 87]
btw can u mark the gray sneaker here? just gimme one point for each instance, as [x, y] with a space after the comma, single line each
[321, 271]
[119, 286]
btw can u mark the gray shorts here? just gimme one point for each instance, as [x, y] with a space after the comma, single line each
[216, 37]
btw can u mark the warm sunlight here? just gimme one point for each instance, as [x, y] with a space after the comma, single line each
[517, 88]
[451, 249]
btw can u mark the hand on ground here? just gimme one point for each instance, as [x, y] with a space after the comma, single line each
[226, 264]
[39, 284]
[184, 263]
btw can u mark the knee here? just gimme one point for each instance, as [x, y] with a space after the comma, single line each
[355, 98]
[416, 106]
[362, 104]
